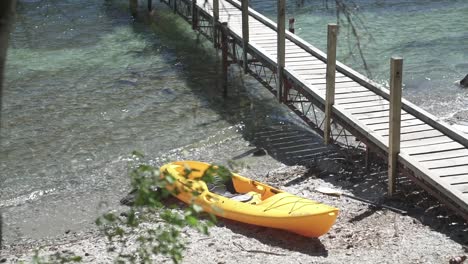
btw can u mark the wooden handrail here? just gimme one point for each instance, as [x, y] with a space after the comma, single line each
[362, 80]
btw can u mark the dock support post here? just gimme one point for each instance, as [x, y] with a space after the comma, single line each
[396, 77]
[174, 6]
[224, 48]
[368, 159]
[330, 81]
[194, 15]
[133, 7]
[291, 25]
[281, 35]
[245, 33]
[150, 5]
[215, 22]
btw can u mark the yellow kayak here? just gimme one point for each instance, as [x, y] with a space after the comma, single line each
[249, 201]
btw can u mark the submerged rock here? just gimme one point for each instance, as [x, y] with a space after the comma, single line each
[464, 82]
[129, 199]
[130, 81]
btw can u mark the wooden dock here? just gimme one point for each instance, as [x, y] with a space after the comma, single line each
[334, 98]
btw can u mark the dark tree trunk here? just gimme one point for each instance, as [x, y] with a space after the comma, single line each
[7, 12]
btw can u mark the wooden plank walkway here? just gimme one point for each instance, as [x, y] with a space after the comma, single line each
[435, 155]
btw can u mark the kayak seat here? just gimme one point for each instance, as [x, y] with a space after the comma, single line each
[227, 190]
[242, 197]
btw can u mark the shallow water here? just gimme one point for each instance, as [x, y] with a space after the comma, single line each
[86, 85]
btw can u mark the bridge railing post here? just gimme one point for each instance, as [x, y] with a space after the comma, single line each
[224, 50]
[194, 15]
[396, 77]
[281, 39]
[215, 22]
[330, 81]
[245, 33]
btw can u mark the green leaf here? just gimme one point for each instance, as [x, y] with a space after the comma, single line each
[110, 217]
[164, 238]
[213, 218]
[197, 208]
[191, 220]
[204, 229]
[119, 231]
[76, 259]
[169, 178]
[137, 154]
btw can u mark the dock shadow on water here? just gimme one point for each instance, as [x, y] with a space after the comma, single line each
[266, 125]
[247, 103]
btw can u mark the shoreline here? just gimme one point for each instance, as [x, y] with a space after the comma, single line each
[362, 234]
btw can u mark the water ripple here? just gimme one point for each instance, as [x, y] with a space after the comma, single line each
[30, 197]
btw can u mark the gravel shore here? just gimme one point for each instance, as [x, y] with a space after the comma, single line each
[426, 233]
[362, 234]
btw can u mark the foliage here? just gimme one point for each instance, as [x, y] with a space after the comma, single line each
[216, 173]
[57, 257]
[149, 228]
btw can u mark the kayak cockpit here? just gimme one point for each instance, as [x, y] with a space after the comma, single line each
[234, 187]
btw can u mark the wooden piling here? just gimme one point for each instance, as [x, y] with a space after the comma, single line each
[174, 7]
[133, 7]
[291, 25]
[330, 81]
[150, 5]
[281, 35]
[368, 160]
[245, 33]
[396, 71]
[233, 49]
[224, 49]
[215, 22]
[194, 15]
